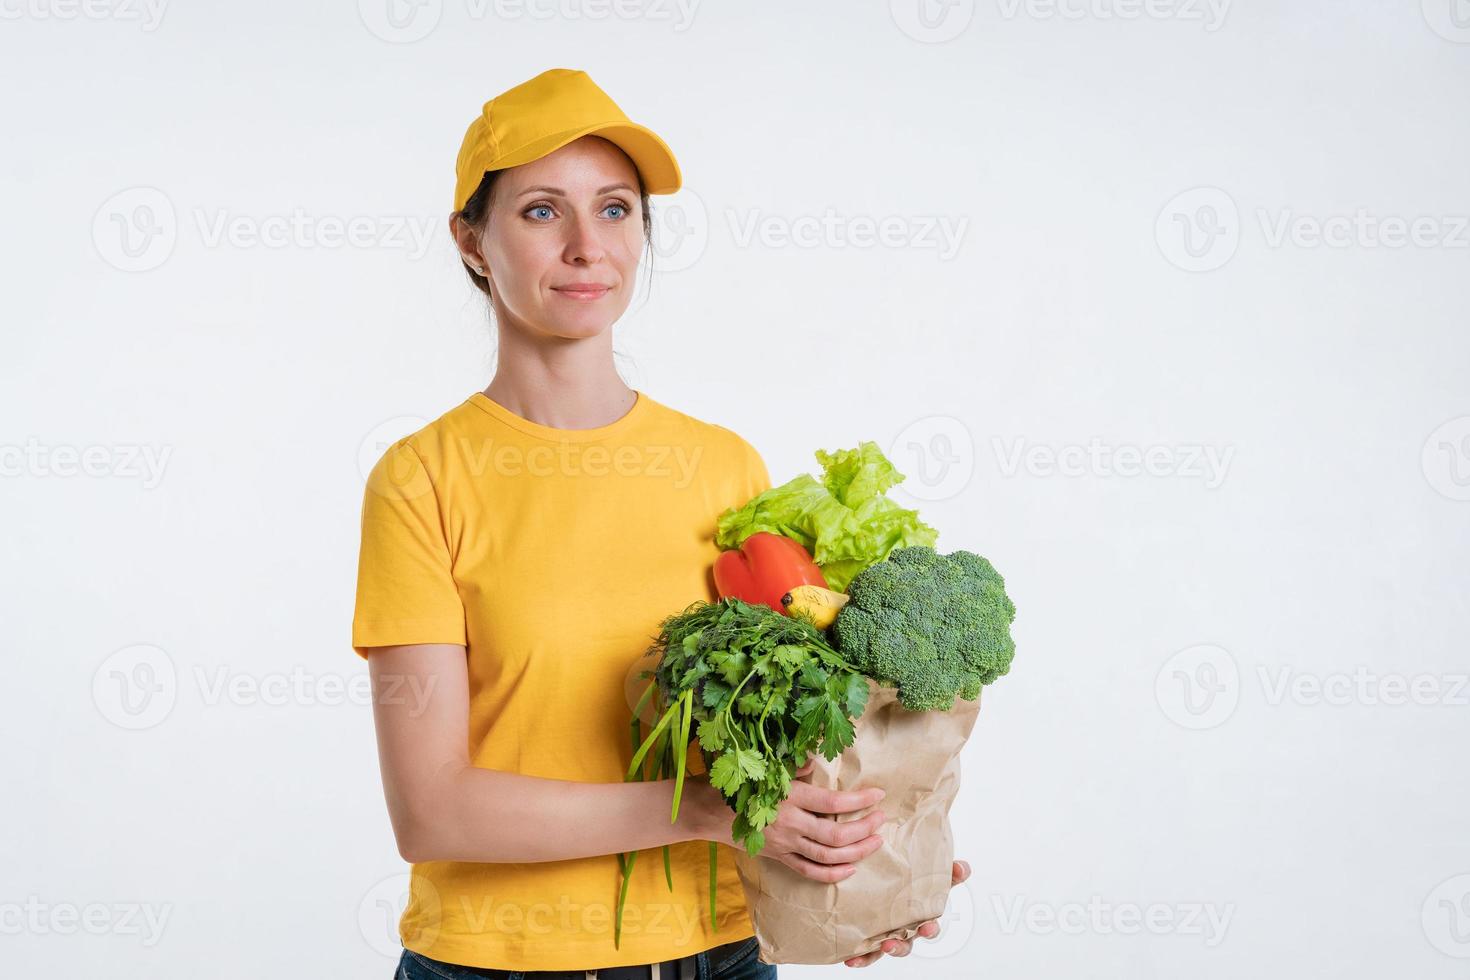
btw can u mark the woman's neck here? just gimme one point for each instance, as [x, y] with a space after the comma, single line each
[568, 384]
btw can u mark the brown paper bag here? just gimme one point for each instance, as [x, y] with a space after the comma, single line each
[915, 758]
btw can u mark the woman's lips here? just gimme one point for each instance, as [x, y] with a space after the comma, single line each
[583, 293]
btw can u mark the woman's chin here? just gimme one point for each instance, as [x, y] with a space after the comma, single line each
[581, 324]
[567, 324]
[579, 330]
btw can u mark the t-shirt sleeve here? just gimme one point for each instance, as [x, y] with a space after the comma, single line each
[405, 584]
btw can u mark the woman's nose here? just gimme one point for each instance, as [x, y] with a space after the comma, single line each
[582, 242]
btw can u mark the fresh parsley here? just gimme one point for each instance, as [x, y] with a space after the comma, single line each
[760, 691]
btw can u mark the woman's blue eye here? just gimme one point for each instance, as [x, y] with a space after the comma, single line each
[547, 207]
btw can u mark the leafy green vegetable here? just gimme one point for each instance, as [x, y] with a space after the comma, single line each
[845, 520]
[761, 692]
[933, 626]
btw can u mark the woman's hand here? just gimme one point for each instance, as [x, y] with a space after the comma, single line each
[803, 836]
[899, 947]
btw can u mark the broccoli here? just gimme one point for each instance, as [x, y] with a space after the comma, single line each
[934, 626]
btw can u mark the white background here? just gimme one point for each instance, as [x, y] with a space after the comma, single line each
[1238, 703]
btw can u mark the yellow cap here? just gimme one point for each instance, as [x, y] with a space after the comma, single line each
[557, 106]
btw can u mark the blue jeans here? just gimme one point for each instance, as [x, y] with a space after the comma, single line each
[745, 964]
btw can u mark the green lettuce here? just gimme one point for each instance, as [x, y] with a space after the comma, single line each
[844, 521]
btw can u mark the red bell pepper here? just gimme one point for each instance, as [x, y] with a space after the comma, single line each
[765, 567]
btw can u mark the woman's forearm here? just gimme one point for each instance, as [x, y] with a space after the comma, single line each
[505, 817]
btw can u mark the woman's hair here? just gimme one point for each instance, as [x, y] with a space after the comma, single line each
[476, 212]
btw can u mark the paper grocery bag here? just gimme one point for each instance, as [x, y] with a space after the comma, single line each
[914, 756]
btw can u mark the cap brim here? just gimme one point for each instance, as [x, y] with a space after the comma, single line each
[651, 155]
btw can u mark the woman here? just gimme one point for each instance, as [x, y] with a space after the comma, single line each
[517, 553]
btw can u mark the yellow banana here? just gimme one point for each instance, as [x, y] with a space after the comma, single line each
[814, 603]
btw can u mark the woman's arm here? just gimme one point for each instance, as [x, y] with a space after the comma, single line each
[444, 809]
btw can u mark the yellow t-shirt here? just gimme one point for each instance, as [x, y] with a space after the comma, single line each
[552, 555]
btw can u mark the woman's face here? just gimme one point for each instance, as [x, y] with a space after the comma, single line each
[562, 240]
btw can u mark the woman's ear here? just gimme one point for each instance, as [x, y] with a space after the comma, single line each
[468, 241]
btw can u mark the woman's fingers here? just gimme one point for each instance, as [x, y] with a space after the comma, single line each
[818, 800]
[838, 849]
[827, 873]
[893, 947]
[851, 854]
[839, 833]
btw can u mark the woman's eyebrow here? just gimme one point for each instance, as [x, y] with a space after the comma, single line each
[540, 189]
